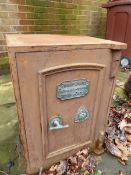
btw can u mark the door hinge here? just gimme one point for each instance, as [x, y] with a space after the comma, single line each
[116, 55]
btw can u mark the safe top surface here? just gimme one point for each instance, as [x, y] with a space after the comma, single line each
[22, 40]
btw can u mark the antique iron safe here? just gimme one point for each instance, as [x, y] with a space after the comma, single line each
[63, 87]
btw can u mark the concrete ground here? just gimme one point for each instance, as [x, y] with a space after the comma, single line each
[9, 142]
[111, 166]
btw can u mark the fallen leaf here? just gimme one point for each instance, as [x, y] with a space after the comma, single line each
[129, 150]
[123, 149]
[128, 136]
[112, 148]
[128, 130]
[122, 124]
[122, 162]
[121, 173]
[72, 159]
[84, 152]
[61, 168]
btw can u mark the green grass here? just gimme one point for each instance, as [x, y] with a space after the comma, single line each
[121, 79]
[9, 150]
[122, 76]
[9, 128]
[6, 93]
[5, 78]
[4, 65]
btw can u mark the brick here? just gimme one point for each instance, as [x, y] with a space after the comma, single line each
[4, 28]
[21, 28]
[2, 42]
[2, 36]
[37, 27]
[3, 48]
[22, 8]
[28, 32]
[60, 31]
[8, 7]
[71, 6]
[12, 7]
[69, 1]
[22, 2]
[42, 22]
[30, 8]
[63, 11]
[17, 15]
[22, 15]
[25, 8]
[3, 14]
[41, 32]
[10, 21]
[41, 9]
[26, 22]
[3, 1]
[38, 3]
[38, 16]
[44, 3]
[3, 7]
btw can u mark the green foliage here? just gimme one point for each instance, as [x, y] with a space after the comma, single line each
[38, 3]
[98, 172]
[4, 65]
[9, 127]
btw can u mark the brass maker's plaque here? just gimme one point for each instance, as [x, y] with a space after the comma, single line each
[72, 89]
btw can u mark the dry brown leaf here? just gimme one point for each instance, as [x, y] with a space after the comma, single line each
[85, 163]
[128, 130]
[122, 162]
[129, 149]
[72, 159]
[123, 149]
[122, 124]
[112, 148]
[81, 157]
[85, 152]
[121, 173]
[117, 136]
[92, 164]
[53, 168]
[78, 153]
[61, 168]
[128, 136]
[86, 173]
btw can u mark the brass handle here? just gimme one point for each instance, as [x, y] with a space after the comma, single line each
[56, 123]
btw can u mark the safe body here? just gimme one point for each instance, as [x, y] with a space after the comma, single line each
[63, 88]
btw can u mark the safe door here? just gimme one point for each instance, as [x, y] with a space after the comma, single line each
[67, 101]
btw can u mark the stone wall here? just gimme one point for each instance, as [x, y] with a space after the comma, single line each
[80, 17]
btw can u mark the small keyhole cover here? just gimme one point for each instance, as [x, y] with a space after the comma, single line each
[82, 114]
